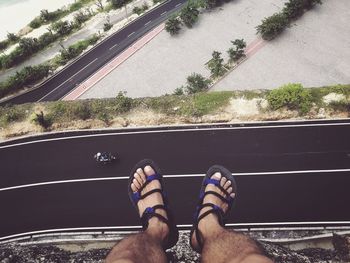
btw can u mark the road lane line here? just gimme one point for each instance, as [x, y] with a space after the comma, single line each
[172, 176]
[178, 4]
[104, 228]
[113, 46]
[131, 34]
[148, 23]
[68, 79]
[176, 130]
[162, 14]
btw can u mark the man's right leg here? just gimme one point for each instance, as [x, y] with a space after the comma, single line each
[219, 244]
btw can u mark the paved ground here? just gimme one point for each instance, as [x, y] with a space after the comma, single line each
[314, 51]
[165, 62]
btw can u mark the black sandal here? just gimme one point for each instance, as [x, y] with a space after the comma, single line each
[151, 211]
[216, 210]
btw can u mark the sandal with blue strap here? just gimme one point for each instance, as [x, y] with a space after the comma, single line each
[214, 209]
[150, 212]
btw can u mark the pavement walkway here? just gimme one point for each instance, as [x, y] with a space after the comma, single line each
[313, 51]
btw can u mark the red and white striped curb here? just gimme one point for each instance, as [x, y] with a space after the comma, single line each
[110, 66]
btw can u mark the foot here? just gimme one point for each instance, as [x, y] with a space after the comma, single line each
[209, 225]
[156, 228]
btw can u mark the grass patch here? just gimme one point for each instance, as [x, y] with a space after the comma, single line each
[205, 103]
[14, 114]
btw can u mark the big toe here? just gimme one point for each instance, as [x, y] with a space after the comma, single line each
[149, 170]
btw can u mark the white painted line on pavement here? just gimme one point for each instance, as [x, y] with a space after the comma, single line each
[148, 23]
[131, 34]
[103, 228]
[162, 14]
[172, 176]
[68, 79]
[178, 4]
[172, 131]
[113, 46]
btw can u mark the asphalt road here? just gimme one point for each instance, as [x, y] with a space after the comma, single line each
[67, 79]
[286, 173]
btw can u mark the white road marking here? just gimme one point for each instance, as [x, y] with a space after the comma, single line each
[162, 14]
[148, 23]
[113, 46]
[131, 34]
[176, 130]
[171, 176]
[178, 4]
[103, 228]
[70, 79]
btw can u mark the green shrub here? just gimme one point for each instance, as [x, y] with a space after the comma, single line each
[122, 103]
[41, 120]
[196, 83]
[139, 10]
[179, 91]
[107, 26]
[35, 23]
[272, 26]
[292, 96]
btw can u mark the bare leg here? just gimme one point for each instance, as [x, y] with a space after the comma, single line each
[219, 244]
[146, 246]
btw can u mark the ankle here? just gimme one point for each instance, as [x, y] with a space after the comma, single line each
[157, 229]
[209, 226]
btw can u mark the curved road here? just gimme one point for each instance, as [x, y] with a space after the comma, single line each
[68, 78]
[287, 173]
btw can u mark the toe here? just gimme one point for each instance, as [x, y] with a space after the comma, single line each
[216, 176]
[138, 178]
[140, 172]
[133, 188]
[136, 183]
[149, 170]
[227, 185]
[223, 181]
[229, 190]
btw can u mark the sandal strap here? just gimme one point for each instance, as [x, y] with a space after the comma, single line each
[150, 179]
[136, 196]
[216, 210]
[151, 212]
[227, 200]
[217, 184]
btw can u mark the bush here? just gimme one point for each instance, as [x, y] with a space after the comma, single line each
[41, 120]
[173, 25]
[122, 103]
[189, 14]
[139, 10]
[119, 3]
[272, 26]
[35, 23]
[196, 83]
[292, 96]
[179, 91]
[107, 26]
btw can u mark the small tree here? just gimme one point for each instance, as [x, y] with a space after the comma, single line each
[107, 26]
[216, 64]
[189, 14]
[173, 25]
[196, 83]
[272, 26]
[237, 51]
[41, 120]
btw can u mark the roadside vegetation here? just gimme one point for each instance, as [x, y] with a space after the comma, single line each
[217, 67]
[291, 100]
[293, 9]
[30, 75]
[189, 14]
